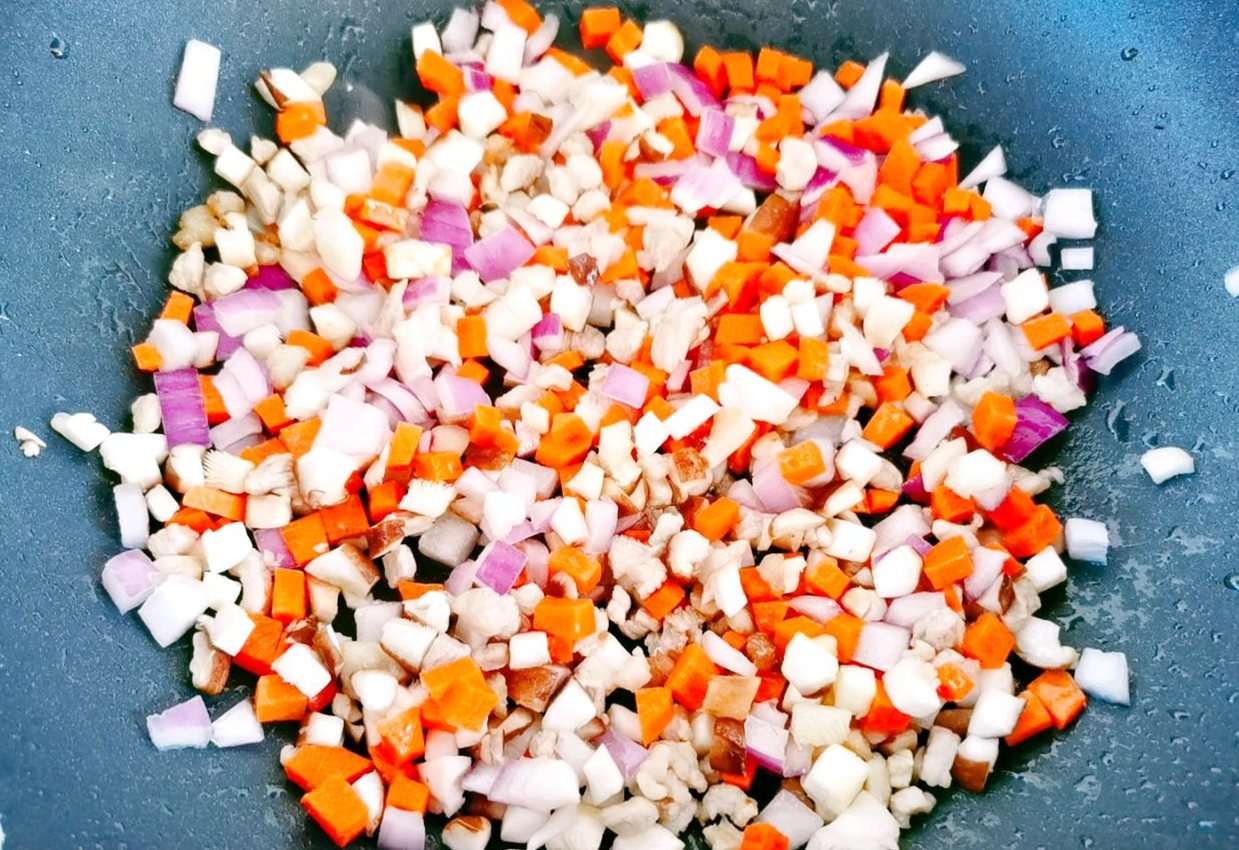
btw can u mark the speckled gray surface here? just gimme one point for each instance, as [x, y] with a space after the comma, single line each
[97, 166]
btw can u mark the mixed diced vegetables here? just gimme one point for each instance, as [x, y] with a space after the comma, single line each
[605, 451]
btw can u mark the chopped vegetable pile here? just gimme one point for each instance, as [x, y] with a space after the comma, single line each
[613, 451]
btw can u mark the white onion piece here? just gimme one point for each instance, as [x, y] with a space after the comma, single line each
[132, 515]
[881, 645]
[185, 724]
[906, 610]
[541, 784]
[792, 817]
[936, 66]
[195, 84]
[726, 656]
[1231, 281]
[993, 164]
[1167, 462]
[401, 830]
[1104, 675]
[1069, 213]
[237, 726]
[1087, 540]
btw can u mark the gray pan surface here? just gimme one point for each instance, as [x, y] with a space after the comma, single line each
[1136, 99]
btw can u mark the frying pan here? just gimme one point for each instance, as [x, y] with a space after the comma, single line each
[1136, 99]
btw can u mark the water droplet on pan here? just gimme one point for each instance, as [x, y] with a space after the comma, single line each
[1129, 53]
[1231, 581]
[59, 48]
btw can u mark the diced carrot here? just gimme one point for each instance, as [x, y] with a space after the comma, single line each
[416, 590]
[708, 65]
[899, 167]
[527, 130]
[288, 596]
[802, 462]
[849, 72]
[880, 501]
[320, 349]
[768, 62]
[826, 579]
[313, 764]
[408, 794]
[623, 41]
[275, 700]
[1034, 720]
[1086, 327]
[305, 538]
[391, 183]
[883, 718]
[146, 356]
[930, 183]
[743, 781]
[950, 506]
[1044, 331]
[460, 691]
[1014, 510]
[584, 570]
[301, 120]
[215, 502]
[299, 437]
[257, 454]
[178, 308]
[216, 410]
[199, 521]
[1040, 530]
[522, 14]
[739, 329]
[663, 601]
[767, 615]
[438, 466]
[926, 297]
[763, 836]
[1061, 696]
[845, 629]
[739, 68]
[402, 450]
[755, 587]
[400, 736]
[569, 619]
[385, 499]
[714, 521]
[338, 809]
[953, 683]
[993, 420]
[345, 520]
[988, 640]
[785, 630]
[440, 75]
[655, 710]
[598, 24]
[887, 426]
[948, 562]
[567, 442]
[690, 677]
[553, 256]
[812, 359]
[773, 360]
[272, 413]
[444, 114]
[472, 370]
[576, 65]
[263, 646]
